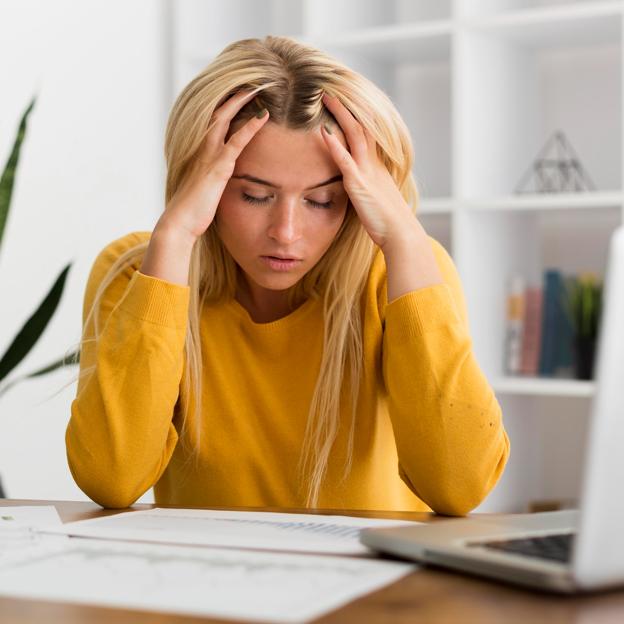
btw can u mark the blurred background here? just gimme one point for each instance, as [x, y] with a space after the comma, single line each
[515, 111]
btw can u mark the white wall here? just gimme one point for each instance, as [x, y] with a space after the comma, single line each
[91, 170]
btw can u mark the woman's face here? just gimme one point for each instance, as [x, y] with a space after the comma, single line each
[283, 206]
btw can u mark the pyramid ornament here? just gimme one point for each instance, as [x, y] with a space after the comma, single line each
[557, 169]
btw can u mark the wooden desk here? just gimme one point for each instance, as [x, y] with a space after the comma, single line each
[428, 596]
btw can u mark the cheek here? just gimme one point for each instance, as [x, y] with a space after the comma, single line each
[328, 224]
[231, 218]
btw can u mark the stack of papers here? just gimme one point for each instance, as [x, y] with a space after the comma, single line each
[240, 565]
[338, 535]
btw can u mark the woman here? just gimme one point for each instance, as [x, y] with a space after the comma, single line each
[288, 334]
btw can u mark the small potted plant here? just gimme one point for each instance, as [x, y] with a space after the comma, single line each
[583, 302]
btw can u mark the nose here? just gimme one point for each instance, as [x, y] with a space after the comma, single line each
[285, 226]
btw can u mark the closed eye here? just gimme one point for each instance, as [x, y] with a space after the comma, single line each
[255, 200]
[263, 200]
[316, 204]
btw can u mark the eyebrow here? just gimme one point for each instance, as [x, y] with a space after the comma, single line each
[336, 178]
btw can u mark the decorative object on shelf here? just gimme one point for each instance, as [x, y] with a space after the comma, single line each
[583, 302]
[34, 327]
[556, 169]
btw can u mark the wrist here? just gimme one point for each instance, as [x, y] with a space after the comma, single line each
[410, 263]
[173, 234]
[404, 241]
[168, 255]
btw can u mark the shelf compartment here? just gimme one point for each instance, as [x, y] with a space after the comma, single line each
[577, 23]
[600, 200]
[531, 94]
[324, 17]
[399, 43]
[493, 246]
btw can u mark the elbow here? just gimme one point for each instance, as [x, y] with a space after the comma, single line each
[104, 490]
[101, 483]
[466, 489]
[110, 498]
[446, 498]
[458, 503]
[456, 490]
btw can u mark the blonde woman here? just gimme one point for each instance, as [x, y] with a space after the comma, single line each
[288, 335]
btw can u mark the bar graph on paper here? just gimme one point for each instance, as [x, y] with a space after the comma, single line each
[242, 529]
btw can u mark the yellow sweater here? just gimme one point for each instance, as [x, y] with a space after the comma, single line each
[429, 431]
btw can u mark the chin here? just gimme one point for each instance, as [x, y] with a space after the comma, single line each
[278, 282]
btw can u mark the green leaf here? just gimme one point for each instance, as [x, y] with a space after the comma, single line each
[8, 175]
[69, 360]
[583, 304]
[34, 326]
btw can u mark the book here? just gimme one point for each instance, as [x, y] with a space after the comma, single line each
[552, 320]
[532, 334]
[514, 325]
[565, 333]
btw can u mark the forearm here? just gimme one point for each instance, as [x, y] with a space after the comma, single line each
[410, 262]
[168, 256]
[121, 435]
[447, 422]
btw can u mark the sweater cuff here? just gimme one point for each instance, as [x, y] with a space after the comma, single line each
[156, 301]
[422, 311]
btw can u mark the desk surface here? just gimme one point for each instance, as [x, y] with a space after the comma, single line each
[429, 596]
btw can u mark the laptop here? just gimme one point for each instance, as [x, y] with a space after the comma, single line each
[563, 551]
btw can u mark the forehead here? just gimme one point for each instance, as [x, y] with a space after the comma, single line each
[287, 156]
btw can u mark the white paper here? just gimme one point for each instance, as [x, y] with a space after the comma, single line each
[217, 582]
[19, 529]
[234, 529]
[29, 515]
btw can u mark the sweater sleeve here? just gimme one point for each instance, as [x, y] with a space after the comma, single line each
[451, 443]
[120, 436]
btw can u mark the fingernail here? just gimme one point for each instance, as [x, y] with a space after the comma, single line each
[262, 113]
[327, 129]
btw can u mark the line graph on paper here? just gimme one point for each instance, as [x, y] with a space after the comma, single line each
[252, 585]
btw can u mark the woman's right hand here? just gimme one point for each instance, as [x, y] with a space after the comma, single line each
[193, 206]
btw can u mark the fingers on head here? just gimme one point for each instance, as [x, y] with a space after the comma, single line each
[227, 111]
[353, 130]
[237, 142]
[219, 124]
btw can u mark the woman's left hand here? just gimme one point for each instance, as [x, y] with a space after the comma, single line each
[384, 213]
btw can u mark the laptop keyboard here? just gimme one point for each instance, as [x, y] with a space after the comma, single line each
[552, 547]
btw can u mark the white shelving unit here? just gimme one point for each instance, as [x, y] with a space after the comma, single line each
[482, 84]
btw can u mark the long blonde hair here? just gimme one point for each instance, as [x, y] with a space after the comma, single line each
[290, 79]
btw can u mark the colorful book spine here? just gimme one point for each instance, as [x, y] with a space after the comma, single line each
[514, 325]
[551, 320]
[532, 336]
[565, 333]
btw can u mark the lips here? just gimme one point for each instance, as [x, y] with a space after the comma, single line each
[282, 257]
[280, 263]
